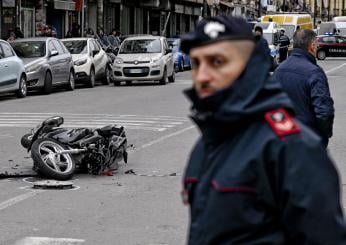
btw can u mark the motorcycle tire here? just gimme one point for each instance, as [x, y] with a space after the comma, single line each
[58, 167]
[26, 140]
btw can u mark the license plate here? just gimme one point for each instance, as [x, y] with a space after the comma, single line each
[135, 71]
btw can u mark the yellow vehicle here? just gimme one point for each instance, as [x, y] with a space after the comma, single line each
[290, 22]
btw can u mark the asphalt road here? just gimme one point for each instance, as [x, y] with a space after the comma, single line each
[145, 208]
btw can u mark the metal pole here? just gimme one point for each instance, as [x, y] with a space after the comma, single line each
[82, 29]
[315, 10]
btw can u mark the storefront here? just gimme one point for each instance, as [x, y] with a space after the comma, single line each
[8, 17]
[62, 16]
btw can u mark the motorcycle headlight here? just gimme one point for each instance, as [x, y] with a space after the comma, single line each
[119, 61]
[80, 62]
[33, 67]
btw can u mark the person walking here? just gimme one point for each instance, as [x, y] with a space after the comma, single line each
[114, 39]
[284, 42]
[307, 85]
[255, 174]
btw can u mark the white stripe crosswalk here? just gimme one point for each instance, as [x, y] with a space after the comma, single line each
[142, 122]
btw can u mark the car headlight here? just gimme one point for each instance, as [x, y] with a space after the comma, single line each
[33, 67]
[118, 61]
[80, 62]
[154, 60]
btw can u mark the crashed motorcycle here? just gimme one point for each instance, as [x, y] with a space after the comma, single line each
[58, 152]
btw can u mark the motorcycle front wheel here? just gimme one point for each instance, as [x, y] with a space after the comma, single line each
[49, 163]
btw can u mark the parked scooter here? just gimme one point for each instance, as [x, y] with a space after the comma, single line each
[59, 152]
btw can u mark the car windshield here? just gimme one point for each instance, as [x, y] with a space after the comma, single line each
[141, 46]
[174, 44]
[76, 47]
[30, 49]
[289, 30]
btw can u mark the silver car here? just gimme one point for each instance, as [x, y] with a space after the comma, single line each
[12, 72]
[144, 58]
[47, 63]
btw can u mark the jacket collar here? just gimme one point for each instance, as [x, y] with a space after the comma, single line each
[302, 53]
[246, 100]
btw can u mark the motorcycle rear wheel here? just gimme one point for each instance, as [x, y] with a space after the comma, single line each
[49, 164]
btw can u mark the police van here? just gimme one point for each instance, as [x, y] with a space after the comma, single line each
[331, 46]
[290, 22]
[332, 27]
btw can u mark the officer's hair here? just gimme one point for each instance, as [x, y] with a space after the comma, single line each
[258, 28]
[303, 38]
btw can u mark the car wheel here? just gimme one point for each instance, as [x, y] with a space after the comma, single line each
[163, 80]
[116, 83]
[171, 79]
[21, 92]
[71, 82]
[107, 77]
[47, 88]
[321, 54]
[128, 83]
[91, 82]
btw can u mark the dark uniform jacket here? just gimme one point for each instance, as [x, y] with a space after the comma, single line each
[307, 86]
[256, 175]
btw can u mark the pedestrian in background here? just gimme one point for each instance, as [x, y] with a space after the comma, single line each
[307, 85]
[102, 39]
[284, 42]
[256, 175]
[114, 39]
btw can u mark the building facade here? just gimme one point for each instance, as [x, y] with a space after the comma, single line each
[157, 17]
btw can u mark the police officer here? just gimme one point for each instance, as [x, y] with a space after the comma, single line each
[307, 85]
[256, 175]
[284, 42]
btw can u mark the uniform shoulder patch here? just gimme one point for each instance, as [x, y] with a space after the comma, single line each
[281, 122]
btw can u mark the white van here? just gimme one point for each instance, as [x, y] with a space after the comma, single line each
[329, 27]
[290, 22]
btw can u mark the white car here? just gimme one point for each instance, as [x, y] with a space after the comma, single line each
[13, 77]
[144, 58]
[90, 60]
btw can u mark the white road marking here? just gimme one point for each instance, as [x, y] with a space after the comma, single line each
[164, 138]
[153, 123]
[17, 199]
[335, 68]
[49, 241]
[6, 136]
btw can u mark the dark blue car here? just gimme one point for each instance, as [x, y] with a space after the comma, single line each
[181, 60]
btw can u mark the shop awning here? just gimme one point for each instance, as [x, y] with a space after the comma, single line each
[227, 4]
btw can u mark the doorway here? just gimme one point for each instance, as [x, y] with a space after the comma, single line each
[28, 22]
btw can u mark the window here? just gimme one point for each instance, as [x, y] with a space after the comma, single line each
[96, 45]
[7, 51]
[51, 46]
[1, 53]
[58, 46]
[329, 40]
[30, 49]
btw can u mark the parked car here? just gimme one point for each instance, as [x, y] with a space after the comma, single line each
[331, 46]
[90, 60]
[12, 71]
[47, 63]
[181, 60]
[144, 58]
